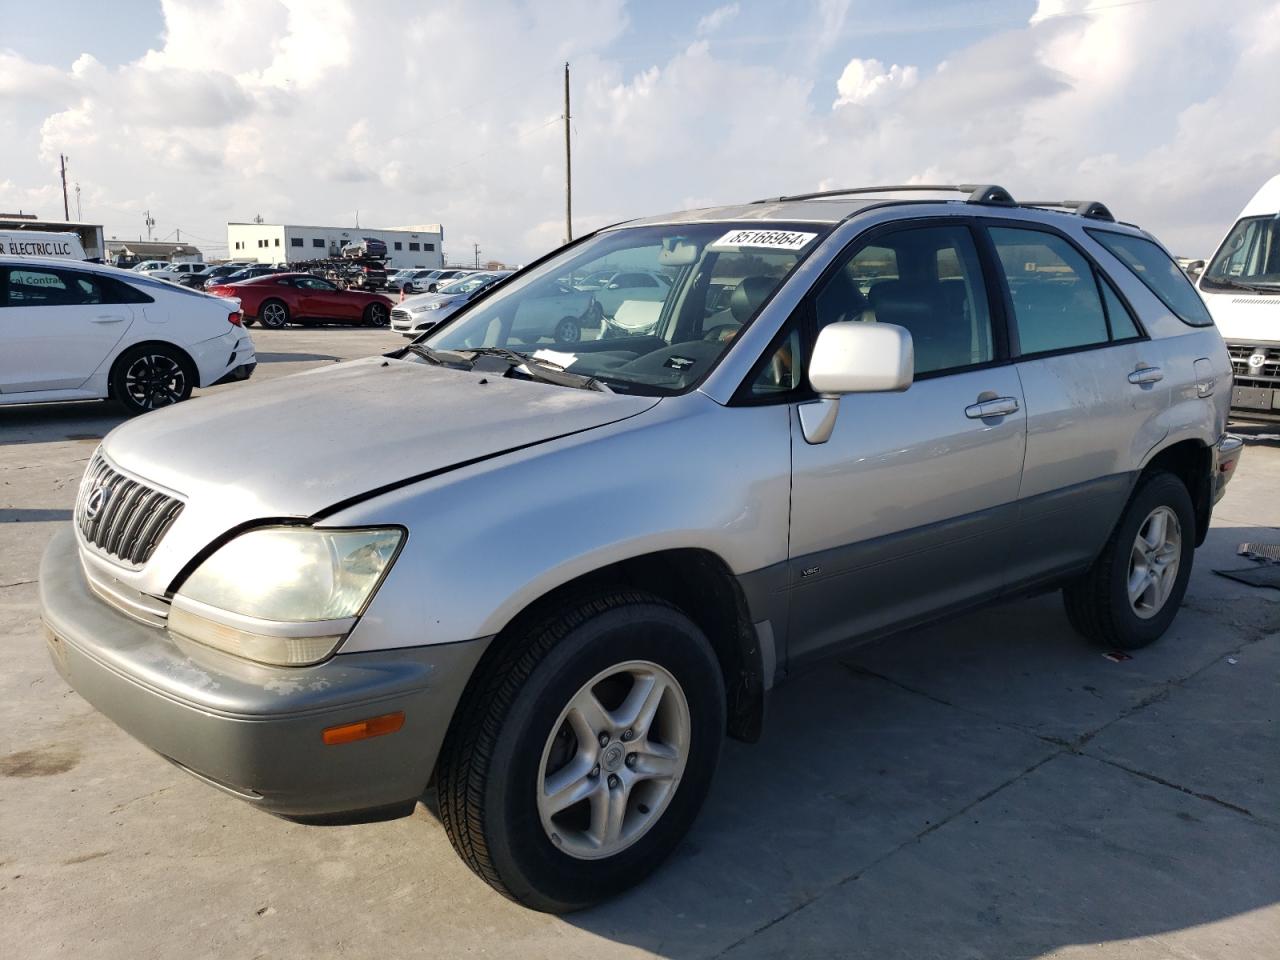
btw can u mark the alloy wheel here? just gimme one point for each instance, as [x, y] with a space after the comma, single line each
[1154, 561]
[274, 315]
[613, 760]
[155, 380]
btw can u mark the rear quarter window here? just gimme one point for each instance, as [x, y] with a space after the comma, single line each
[1159, 273]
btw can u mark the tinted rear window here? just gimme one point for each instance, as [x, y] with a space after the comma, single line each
[1161, 275]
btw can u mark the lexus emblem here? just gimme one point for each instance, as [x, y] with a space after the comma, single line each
[1257, 360]
[96, 503]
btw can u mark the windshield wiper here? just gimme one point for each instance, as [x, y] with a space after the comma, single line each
[1231, 283]
[539, 369]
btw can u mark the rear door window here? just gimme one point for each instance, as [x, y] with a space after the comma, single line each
[1056, 303]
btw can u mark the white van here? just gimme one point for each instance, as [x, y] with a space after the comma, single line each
[1241, 287]
[37, 243]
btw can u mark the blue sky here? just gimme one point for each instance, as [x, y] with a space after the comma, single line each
[445, 111]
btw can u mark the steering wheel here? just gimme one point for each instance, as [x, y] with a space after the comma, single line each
[722, 332]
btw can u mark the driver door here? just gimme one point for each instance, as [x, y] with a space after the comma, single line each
[908, 509]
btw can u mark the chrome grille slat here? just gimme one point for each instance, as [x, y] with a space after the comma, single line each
[1266, 375]
[133, 519]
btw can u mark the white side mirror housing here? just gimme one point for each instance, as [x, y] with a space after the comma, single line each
[856, 357]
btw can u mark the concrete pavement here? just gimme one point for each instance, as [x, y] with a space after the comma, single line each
[988, 787]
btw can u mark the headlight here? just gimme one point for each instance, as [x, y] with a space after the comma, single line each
[283, 595]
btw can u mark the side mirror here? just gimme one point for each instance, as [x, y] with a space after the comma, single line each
[859, 357]
[854, 357]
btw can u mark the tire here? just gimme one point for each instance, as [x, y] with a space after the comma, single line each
[568, 330]
[377, 315]
[273, 314]
[150, 376]
[512, 735]
[1100, 604]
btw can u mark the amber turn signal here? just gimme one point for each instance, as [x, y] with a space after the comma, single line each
[364, 729]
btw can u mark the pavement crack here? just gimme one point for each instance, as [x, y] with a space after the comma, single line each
[16, 583]
[858, 670]
[1173, 786]
[916, 838]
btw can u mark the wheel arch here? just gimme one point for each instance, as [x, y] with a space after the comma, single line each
[700, 584]
[1191, 460]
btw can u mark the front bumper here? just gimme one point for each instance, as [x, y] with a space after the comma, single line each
[252, 730]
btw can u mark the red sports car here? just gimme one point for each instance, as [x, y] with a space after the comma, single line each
[281, 298]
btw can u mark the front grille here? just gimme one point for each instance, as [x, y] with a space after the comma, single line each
[1266, 374]
[121, 516]
[398, 314]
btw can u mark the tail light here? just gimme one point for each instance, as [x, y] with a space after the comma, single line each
[235, 318]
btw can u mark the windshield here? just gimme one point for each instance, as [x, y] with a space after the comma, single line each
[1250, 256]
[677, 297]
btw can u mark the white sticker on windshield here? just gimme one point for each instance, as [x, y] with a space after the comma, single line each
[561, 360]
[769, 239]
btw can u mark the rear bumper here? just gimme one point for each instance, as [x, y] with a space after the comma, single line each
[243, 372]
[252, 730]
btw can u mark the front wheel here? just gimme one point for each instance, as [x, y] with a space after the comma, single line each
[581, 755]
[1132, 592]
[151, 376]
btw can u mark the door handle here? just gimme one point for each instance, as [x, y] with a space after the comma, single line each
[107, 318]
[999, 407]
[1146, 375]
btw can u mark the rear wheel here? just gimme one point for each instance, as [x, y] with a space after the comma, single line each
[580, 757]
[273, 314]
[1132, 592]
[377, 315]
[151, 376]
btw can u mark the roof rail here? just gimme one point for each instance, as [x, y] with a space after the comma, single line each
[1081, 208]
[987, 193]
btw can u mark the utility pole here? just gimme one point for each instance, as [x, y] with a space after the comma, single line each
[79, 215]
[66, 207]
[568, 165]
[150, 222]
[178, 234]
[476, 246]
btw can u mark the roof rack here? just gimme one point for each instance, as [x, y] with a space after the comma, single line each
[987, 193]
[1081, 208]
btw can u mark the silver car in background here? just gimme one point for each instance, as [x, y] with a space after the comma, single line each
[557, 586]
[418, 314]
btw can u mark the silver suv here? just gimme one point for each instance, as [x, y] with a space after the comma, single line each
[591, 553]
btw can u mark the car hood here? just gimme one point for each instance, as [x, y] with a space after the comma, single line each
[420, 299]
[1245, 316]
[292, 447]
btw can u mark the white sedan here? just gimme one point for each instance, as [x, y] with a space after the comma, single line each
[71, 330]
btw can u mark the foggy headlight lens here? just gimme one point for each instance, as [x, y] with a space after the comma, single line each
[284, 595]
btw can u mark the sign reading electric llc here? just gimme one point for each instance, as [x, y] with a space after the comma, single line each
[35, 248]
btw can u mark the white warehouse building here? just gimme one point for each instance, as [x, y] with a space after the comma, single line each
[414, 246]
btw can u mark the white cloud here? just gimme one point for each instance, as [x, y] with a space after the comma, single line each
[716, 19]
[866, 80]
[307, 111]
